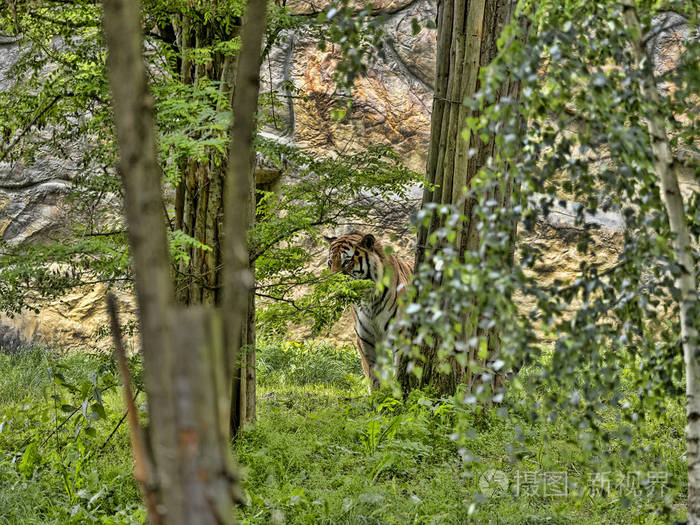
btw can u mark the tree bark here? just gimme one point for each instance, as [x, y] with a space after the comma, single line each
[666, 169]
[240, 188]
[199, 195]
[144, 469]
[184, 353]
[199, 214]
[467, 41]
[199, 203]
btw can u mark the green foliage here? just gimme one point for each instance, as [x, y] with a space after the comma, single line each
[190, 127]
[323, 193]
[179, 240]
[291, 363]
[59, 96]
[604, 345]
[65, 453]
[31, 272]
[356, 33]
[193, 118]
[317, 456]
[603, 395]
[323, 452]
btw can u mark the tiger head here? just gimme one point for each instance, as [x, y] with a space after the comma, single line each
[356, 254]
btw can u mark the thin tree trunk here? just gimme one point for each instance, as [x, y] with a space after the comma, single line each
[199, 194]
[468, 31]
[138, 167]
[199, 213]
[189, 458]
[144, 469]
[667, 172]
[238, 189]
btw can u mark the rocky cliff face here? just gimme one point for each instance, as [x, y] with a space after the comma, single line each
[390, 105]
[29, 194]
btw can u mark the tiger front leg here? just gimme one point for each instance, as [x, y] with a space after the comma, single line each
[368, 356]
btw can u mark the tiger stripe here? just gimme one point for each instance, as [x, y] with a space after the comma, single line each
[361, 256]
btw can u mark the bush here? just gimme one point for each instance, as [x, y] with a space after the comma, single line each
[294, 363]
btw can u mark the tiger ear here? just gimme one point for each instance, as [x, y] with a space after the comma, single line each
[329, 240]
[367, 241]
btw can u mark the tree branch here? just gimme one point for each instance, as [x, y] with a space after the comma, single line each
[7, 150]
[142, 460]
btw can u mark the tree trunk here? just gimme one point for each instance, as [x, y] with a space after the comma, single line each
[240, 188]
[243, 380]
[199, 212]
[467, 41]
[189, 472]
[199, 195]
[199, 206]
[667, 172]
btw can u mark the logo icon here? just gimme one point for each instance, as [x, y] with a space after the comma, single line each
[493, 481]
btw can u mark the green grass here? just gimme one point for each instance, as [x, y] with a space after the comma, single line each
[74, 480]
[323, 451]
[308, 461]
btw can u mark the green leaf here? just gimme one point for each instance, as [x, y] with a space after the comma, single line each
[338, 113]
[30, 459]
[415, 26]
[98, 408]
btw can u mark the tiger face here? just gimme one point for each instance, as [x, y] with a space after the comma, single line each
[355, 254]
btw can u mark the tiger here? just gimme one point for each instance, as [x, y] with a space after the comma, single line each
[361, 256]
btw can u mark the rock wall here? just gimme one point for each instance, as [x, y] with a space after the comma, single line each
[78, 320]
[30, 195]
[390, 105]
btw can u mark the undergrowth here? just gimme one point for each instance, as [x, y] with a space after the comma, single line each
[323, 451]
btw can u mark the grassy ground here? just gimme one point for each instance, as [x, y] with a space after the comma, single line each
[322, 451]
[67, 474]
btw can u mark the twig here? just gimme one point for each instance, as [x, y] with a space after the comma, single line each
[291, 302]
[114, 430]
[104, 234]
[558, 291]
[142, 461]
[28, 127]
[68, 418]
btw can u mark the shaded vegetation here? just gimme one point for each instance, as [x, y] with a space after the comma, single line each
[323, 452]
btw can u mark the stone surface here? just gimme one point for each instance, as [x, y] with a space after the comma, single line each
[390, 105]
[387, 108]
[77, 320]
[33, 208]
[9, 51]
[309, 7]
[31, 194]
[665, 44]
[416, 52]
[556, 240]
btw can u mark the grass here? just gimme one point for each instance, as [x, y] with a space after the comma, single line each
[83, 479]
[323, 451]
